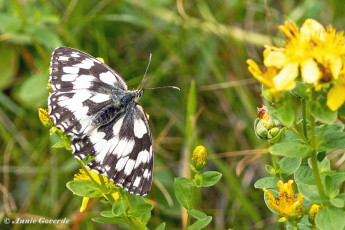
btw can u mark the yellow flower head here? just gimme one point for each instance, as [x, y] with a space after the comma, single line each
[286, 203]
[312, 51]
[199, 158]
[314, 209]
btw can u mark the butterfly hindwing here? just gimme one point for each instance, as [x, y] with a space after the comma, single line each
[122, 150]
[87, 104]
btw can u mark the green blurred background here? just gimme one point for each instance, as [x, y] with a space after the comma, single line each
[192, 41]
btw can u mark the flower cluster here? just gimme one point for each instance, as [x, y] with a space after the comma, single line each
[286, 203]
[313, 52]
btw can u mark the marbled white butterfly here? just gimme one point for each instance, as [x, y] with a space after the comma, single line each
[92, 103]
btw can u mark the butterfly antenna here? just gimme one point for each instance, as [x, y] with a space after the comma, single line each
[147, 69]
[162, 87]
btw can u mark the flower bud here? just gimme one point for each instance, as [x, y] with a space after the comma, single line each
[199, 158]
[315, 208]
[266, 127]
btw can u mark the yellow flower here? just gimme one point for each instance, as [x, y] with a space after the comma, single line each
[296, 54]
[312, 51]
[286, 203]
[44, 118]
[82, 175]
[314, 209]
[199, 158]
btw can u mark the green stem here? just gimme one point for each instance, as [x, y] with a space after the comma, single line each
[313, 159]
[87, 172]
[304, 116]
[275, 165]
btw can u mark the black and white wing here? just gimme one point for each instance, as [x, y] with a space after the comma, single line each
[82, 86]
[122, 148]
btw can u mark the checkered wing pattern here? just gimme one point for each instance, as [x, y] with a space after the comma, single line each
[91, 102]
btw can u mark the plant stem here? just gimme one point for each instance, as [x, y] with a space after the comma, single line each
[304, 116]
[275, 165]
[313, 159]
[87, 172]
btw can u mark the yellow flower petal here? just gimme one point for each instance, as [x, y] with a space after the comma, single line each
[290, 29]
[336, 97]
[285, 79]
[312, 28]
[84, 204]
[256, 72]
[310, 71]
[275, 58]
[335, 66]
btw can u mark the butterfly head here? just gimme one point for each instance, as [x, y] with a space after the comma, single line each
[138, 93]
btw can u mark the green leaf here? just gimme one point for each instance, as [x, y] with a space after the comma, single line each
[108, 214]
[200, 224]
[34, 91]
[329, 186]
[332, 139]
[286, 114]
[330, 218]
[338, 177]
[321, 112]
[197, 214]
[182, 187]
[289, 165]
[266, 182]
[190, 131]
[84, 188]
[10, 23]
[301, 90]
[310, 193]
[140, 209]
[337, 202]
[161, 226]
[45, 36]
[105, 220]
[210, 178]
[270, 169]
[290, 149]
[304, 175]
[60, 144]
[119, 207]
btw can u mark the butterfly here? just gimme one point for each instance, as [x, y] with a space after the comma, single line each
[91, 102]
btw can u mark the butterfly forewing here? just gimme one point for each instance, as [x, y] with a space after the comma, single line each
[84, 105]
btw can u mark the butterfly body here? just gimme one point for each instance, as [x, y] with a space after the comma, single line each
[92, 103]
